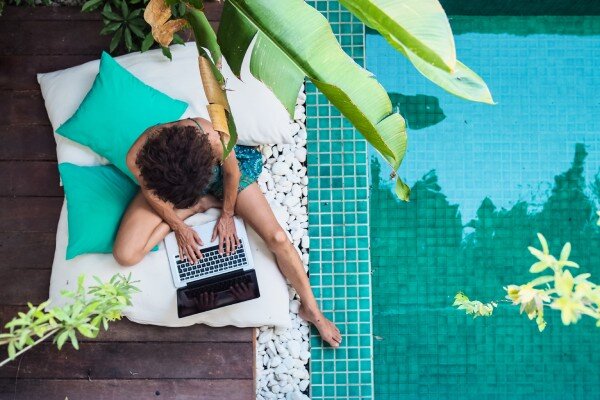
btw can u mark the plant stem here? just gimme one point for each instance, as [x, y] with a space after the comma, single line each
[23, 350]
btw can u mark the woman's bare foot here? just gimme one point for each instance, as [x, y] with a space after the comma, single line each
[327, 329]
[206, 202]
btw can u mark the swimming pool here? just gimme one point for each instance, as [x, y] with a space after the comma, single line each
[484, 180]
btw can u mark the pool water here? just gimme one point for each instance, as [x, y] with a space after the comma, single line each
[484, 180]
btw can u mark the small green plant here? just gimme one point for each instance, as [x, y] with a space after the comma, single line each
[123, 19]
[574, 296]
[87, 312]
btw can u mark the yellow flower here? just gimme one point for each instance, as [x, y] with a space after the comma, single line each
[570, 309]
[531, 299]
[564, 282]
[547, 260]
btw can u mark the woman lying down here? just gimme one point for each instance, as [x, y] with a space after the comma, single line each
[178, 166]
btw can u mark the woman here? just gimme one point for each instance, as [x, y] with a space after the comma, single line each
[179, 169]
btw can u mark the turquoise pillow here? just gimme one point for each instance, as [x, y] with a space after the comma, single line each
[116, 111]
[97, 198]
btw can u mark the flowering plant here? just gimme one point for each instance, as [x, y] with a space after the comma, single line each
[574, 296]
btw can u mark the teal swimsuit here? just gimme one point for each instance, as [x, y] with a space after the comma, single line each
[250, 162]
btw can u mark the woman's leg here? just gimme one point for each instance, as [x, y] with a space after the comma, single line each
[141, 228]
[252, 206]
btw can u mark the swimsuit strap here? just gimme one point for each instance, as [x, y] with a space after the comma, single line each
[199, 126]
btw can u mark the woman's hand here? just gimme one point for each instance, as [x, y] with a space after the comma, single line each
[189, 243]
[225, 230]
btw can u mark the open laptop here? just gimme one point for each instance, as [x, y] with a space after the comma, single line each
[216, 280]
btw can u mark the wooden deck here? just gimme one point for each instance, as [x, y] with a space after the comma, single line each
[129, 361]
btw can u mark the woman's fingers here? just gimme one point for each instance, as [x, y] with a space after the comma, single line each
[228, 245]
[192, 253]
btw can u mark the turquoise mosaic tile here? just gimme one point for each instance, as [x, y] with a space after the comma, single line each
[339, 228]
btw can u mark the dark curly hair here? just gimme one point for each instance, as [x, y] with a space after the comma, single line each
[177, 164]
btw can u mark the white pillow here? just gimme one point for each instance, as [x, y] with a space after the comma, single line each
[259, 116]
[156, 303]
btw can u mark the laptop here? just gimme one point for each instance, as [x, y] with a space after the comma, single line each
[216, 280]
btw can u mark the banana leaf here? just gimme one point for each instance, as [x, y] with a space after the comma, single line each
[420, 25]
[294, 41]
[419, 29]
[213, 81]
[462, 82]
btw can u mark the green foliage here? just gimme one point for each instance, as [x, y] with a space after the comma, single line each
[84, 315]
[124, 21]
[293, 42]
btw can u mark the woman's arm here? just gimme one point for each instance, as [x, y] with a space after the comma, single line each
[225, 228]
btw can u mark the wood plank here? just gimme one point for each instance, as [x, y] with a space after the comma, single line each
[18, 72]
[20, 285]
[29, 178]
[27, 142]
[225, 360]
[127, 331]
[29, 214]
[49, 30]
[22, 107]
[179, 389]
[31, 36]
[35, 247]
[53, 13]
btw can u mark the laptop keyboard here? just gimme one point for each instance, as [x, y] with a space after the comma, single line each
[211, 262]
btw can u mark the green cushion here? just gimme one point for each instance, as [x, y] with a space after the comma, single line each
[97, 198]
[116, 111]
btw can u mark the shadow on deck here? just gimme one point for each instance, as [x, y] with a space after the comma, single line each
[129, 361]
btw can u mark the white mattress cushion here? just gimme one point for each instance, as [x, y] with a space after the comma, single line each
[156, 303]
[260, 118]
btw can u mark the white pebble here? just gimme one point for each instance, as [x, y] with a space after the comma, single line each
[296, 189]
[287, 388]
[300, 154]
[267, 151]
[294, 306]
[304, 355]
[294, 128]
[281, 369]
[291, 201]
[288, 362]
[264, 337]
[280, 168]
[295, 334]
[294, 348]
[305, 242]
[299, 396]
[303, 385]
[275, 361]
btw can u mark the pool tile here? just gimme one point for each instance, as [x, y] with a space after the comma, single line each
[338, 227]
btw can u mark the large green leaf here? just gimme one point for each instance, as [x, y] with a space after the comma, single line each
[294, 41]
[203, 33]
[419, 29]
[419, 25]
[463, 82]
